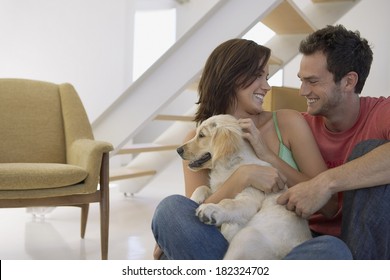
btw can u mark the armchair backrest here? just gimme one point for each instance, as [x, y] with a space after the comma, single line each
[39, 121]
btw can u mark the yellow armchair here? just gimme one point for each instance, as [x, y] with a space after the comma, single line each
[48, 156]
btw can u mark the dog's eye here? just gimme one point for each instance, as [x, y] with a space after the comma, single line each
[201, 135]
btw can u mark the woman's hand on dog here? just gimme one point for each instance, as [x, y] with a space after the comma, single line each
[264, 178]
[254, 137]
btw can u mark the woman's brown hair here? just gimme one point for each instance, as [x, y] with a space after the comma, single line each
[234, 64]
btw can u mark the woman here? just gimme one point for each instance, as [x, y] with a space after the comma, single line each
[235, 81]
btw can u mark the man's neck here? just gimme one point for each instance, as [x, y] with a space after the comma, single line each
[344, 117]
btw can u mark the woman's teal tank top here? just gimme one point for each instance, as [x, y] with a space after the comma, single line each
[284, 152]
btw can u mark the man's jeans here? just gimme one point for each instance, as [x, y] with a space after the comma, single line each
[365, 229]
[366, 215]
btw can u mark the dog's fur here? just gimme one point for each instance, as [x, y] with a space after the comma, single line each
[253, 223]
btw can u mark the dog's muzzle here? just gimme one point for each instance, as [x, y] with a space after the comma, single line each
[199, 162]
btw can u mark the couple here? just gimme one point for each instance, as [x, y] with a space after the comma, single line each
[334, 158]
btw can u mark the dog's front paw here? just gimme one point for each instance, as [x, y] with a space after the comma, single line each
[211, 214]
[200, 194]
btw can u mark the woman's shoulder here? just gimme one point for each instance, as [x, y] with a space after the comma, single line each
[288, 115]
[291, 122]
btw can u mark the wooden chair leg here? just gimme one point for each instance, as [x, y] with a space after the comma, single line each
[104, 206]
[84, 218]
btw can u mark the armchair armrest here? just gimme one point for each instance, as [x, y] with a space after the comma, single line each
[88, 153]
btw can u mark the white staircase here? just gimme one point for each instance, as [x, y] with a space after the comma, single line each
[179, 68]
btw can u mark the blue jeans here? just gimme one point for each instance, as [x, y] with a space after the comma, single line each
[181, 235]
[366, 215]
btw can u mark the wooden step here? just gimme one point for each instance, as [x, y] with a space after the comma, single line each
[146, 147]
[127, 173]
[330, 1]
[194, 86]
[287, 19]
[174, 118]
[275, 60]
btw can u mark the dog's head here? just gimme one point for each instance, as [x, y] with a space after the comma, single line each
[216, 138]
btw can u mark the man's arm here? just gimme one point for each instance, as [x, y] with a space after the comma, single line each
[369, 170]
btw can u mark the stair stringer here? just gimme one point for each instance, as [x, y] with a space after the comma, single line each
[147, 96]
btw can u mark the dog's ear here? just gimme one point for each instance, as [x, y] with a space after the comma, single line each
[225, 141]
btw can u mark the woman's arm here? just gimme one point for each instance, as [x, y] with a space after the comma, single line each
[265, 178]
[297, 136]
[306, 153]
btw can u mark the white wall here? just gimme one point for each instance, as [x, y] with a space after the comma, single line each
[83, 42]
[89, 43]
[372, 19]
[190, 12]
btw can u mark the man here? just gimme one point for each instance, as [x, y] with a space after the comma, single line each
[333, 71]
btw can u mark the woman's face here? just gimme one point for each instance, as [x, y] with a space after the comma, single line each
[250, 99]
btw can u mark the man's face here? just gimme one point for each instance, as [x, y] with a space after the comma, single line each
[318, 86]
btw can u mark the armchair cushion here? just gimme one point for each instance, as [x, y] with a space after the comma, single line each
[38, 176]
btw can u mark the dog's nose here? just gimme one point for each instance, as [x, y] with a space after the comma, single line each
[180, 150]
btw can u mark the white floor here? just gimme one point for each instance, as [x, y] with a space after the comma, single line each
[57, 236]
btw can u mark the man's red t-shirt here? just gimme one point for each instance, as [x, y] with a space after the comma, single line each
[373, 123]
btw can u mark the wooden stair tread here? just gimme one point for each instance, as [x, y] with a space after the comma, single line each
[330, 1]
[293, 22]
[127, 173]
[174, 118]
[275, 60]
[146, 147]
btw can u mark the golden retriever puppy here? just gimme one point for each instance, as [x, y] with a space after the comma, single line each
[253, 223]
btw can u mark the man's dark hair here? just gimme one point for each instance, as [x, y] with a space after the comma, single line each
[345, 51]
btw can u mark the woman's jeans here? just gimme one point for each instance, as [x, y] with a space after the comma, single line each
[365, 227]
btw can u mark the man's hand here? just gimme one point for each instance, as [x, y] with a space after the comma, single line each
[305, 198]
